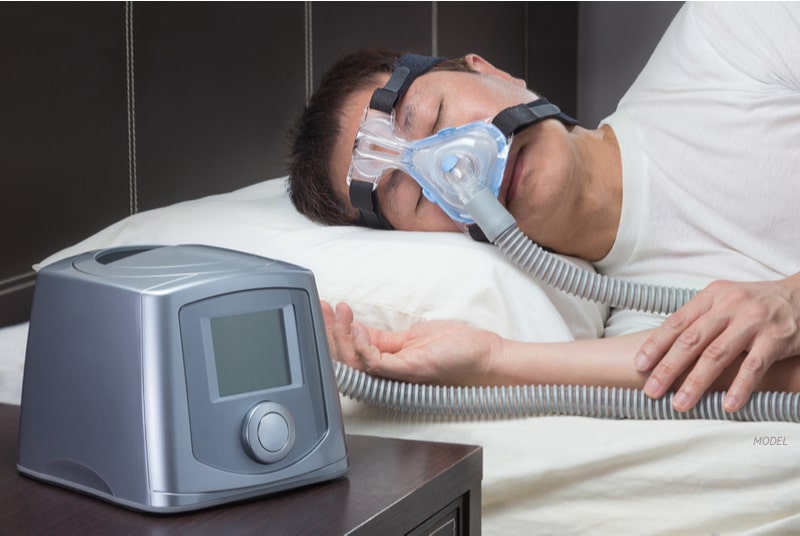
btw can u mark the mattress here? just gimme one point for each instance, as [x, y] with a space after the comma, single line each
[576, 475]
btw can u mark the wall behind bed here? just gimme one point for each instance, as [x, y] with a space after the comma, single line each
[108, 109]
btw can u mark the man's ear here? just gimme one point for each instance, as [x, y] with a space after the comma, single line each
[481, 65]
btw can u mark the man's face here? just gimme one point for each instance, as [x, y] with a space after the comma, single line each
[536, 165]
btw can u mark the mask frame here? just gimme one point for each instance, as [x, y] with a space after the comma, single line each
[451, 167]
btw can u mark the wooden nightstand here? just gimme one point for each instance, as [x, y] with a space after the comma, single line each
[394, 487]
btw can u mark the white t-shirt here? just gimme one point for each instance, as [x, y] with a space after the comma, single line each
[710, 141]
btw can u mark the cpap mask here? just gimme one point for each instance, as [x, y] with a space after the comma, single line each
[453, 167]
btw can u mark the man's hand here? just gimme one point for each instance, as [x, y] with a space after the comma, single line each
[435, 352]
[759, 322]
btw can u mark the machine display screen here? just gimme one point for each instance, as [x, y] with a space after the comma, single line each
[250, 352]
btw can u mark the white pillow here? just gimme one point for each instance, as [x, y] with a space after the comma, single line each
[392, 280]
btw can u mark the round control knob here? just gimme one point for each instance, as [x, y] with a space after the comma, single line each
[273, 432]
[268, 432]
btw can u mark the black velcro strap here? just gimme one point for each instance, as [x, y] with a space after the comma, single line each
[384, 98]
[406, 69]
[516, 118]
[365, 199]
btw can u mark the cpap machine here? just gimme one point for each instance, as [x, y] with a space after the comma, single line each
[173, 378]
[461, 169]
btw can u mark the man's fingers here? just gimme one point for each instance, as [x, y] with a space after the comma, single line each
[662, 339]
[659, 343]
[716, 357]
[367, 354]
[376, 359]
[682, 355]
[328, 317]
[751, 372]
[711, 364]
[341, 336]
[343, 313]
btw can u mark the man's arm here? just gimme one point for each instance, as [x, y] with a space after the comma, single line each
[440, 352]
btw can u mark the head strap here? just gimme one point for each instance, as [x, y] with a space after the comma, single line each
[364, 197]
[512, 120]
[406, 69]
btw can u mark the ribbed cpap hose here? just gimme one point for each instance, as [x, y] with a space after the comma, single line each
[451, 402]
[560, 274]
[510, 401]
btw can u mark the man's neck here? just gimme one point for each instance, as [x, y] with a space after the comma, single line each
[600, 202]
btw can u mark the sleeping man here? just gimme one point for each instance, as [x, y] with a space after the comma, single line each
[694, 181]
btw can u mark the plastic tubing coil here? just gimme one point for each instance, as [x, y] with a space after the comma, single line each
[515, 401]
[554, 271]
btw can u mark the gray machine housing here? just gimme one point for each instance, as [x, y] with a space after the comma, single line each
[120, 396]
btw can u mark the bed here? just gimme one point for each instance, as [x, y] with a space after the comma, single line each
[542, 475]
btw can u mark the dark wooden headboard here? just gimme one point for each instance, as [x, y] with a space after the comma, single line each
[111, 108]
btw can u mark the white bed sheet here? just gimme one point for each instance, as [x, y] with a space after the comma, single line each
[572, 475]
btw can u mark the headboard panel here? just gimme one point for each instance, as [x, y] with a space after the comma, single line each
[112, 108]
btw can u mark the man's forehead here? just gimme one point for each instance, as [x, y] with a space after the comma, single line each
[407, 68]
